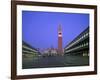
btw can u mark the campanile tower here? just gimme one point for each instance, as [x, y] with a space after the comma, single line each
[60, 49]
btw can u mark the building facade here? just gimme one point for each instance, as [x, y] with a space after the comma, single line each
[50, 52]
[80, 45]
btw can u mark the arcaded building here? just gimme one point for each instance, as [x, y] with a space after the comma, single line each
[80, 45]
[28, 51]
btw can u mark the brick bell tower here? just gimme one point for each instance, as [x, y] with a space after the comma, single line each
[60, 49]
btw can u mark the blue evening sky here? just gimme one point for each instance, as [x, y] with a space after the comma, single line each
[40, 29]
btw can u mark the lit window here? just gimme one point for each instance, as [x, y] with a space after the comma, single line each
[81, 45]
[87, 43]
[84, 44]
[84, 35]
